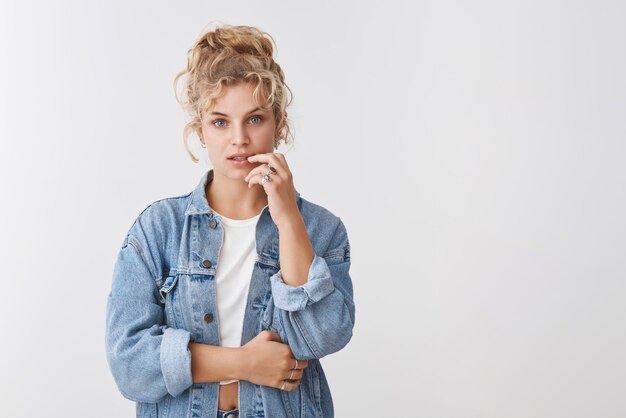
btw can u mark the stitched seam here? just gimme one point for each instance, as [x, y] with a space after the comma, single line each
[135, 243]
[133, 398]
[334, 259]
[268, 325]
[307, 338]
[335, 252]
[307, 298]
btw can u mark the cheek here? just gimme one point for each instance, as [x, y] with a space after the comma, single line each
[268, 132]
[215, 154]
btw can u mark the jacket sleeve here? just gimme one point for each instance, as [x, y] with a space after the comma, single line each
[317, 317]
[147, 359]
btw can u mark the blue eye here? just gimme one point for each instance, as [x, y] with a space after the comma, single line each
[217, 121]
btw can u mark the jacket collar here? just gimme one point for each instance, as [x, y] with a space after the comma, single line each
[198, 204]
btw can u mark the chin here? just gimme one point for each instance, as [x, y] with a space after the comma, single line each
[236, 173]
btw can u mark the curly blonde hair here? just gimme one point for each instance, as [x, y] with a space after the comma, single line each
[225, 57]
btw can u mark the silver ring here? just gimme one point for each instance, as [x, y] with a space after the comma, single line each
[283, 385]
[291, 375]
[266, 178]
[296, 366]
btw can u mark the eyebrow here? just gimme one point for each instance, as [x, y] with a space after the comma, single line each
[224, 114]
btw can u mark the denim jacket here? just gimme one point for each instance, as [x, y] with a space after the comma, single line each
[163, 296]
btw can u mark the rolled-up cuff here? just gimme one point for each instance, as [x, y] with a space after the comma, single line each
[295, 298]
[176, 360]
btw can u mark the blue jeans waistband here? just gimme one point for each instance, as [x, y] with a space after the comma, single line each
[228, 414]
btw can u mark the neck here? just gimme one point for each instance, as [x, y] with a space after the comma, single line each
[233, 198]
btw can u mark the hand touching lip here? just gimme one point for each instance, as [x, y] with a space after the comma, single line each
[281, 195]
[240, 156]
[240, 159]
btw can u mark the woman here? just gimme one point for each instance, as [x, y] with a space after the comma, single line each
[224, 299]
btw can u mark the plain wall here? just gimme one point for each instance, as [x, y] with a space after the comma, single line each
[475, 151]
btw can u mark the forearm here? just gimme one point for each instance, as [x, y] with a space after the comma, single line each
[296, 251]
[211, 363]
[305, 323]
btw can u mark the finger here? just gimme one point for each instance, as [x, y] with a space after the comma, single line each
[302, 364]
[258, 173]
[252, 173]
[294, 375]
[258, 179]
[281, 157]
[270, 184]
[272, 336]
[270, 159]
[288, 386]
[261, 169]
[254, 178]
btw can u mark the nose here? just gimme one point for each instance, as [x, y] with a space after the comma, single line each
[240, 136]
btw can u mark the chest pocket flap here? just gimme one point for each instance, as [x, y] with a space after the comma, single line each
[168, 285]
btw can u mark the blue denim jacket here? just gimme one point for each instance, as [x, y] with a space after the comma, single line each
[163, 296]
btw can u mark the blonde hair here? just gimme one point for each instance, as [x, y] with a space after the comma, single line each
[225, 57]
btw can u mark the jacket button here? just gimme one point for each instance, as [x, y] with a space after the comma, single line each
[206, 263]
[208, 317]
[213, 224]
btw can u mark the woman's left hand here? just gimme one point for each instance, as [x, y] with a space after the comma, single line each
[281, 194]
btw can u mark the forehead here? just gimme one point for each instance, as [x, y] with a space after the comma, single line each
[238, 98]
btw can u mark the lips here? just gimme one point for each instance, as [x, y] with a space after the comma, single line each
[239, 157]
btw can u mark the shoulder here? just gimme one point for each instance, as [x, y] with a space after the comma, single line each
[313, 212]
[163, 209]
[160, 220]
[156, 230]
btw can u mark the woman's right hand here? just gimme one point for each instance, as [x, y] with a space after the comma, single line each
[268, 362]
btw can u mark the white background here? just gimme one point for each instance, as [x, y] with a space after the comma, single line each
[474, 149]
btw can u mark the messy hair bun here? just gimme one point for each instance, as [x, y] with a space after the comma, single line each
[225, 57]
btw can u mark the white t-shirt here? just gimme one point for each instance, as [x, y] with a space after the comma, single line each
[232, 277]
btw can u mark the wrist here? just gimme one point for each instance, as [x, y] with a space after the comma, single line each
[292, 221]
[242, 367]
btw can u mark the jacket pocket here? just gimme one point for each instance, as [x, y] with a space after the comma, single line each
[169, 297]
[265, 314]
[158, 409]
[146, 410]
[167, 286]
[293, 402]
